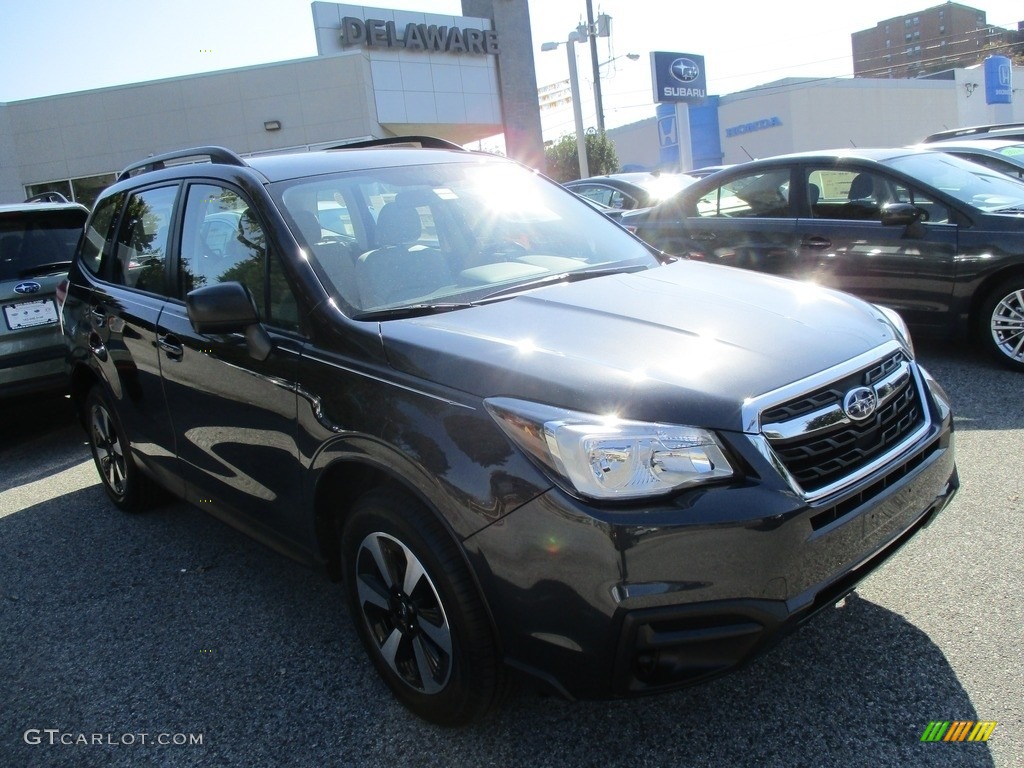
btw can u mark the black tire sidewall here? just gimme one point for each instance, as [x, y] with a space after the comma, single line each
[471, 687]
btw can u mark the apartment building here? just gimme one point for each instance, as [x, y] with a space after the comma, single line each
[934, 39]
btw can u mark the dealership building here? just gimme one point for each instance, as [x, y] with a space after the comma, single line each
[382, 72]
[378, 73]
[801, 114]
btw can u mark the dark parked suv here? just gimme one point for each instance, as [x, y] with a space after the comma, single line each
[523, 443]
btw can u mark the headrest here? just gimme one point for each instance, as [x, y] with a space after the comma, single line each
[398, 225]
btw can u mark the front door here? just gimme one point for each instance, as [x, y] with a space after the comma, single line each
[845, 245]
[234, 415]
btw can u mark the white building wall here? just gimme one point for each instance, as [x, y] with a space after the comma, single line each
[317, 100]
[637, 144]
[832, 114]
[11, 190]
[971, 106]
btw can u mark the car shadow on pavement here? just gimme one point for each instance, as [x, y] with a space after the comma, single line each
[168, 623]
[856, 686]
[26, 417]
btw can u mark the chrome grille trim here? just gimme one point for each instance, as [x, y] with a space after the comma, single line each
[829, 418]
[893, 383]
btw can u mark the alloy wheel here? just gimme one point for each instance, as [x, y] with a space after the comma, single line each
[1007, 325]
[404, 613]
[109, 451]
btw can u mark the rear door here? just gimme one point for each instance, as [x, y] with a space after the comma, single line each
[123, 313]
[845, 245]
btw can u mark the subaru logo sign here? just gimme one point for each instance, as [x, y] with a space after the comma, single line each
[860, 403]
[685, 70]
[27, 287]
[678, 77]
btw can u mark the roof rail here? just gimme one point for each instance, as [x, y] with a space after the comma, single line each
[218, 155]
[426, 142]
[48, 197]
[977, 130]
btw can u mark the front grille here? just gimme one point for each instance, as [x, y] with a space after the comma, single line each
[820, 446]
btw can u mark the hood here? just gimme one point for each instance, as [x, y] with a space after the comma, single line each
[682, 343]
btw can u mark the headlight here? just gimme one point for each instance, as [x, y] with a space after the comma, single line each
[899, 325]
[609, 458]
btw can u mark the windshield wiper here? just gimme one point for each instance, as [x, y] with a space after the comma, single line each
[562, 277]
[38, 270]
[412, 310]
[420, 310]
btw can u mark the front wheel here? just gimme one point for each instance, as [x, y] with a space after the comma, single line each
[1001, 322]
[417, 610]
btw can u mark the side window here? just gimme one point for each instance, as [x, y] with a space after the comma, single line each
[223, 241]
[849, 195]
[760, 195]
[596, 193]
[860, 196]
[621, 200]
[335, 219]
[96, 245]
[141, 252]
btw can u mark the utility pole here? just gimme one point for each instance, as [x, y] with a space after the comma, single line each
[592, 35]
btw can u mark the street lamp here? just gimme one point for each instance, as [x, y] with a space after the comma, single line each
[574, 89]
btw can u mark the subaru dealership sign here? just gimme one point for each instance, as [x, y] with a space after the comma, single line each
[678, 77]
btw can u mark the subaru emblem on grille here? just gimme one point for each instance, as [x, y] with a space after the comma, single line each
[29, 287]
[860, 403]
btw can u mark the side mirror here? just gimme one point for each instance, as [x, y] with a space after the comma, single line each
[228, 308]
[902, 214]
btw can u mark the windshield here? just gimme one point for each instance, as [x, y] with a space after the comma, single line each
[968, 182]
[448, 234]
[1012, 150]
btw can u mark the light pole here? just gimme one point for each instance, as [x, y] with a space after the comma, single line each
[577, 108]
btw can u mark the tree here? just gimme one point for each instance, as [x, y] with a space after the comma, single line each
[563, 161]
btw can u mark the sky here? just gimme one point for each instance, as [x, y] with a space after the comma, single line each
[60, 46]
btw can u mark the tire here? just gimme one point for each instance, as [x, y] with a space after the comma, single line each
[1001, 322]
[418, 612]
[127, 487]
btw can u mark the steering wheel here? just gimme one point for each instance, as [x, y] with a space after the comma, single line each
[507, 249]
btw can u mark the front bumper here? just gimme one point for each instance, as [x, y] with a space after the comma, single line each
[601, 603]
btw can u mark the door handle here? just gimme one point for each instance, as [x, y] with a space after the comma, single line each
[703, 237]
[171, 346]
[99, 317]
[815, 242]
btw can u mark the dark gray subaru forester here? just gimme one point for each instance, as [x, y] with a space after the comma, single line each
[524, 444]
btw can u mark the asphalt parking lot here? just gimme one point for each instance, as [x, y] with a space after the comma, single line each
[169, 639]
